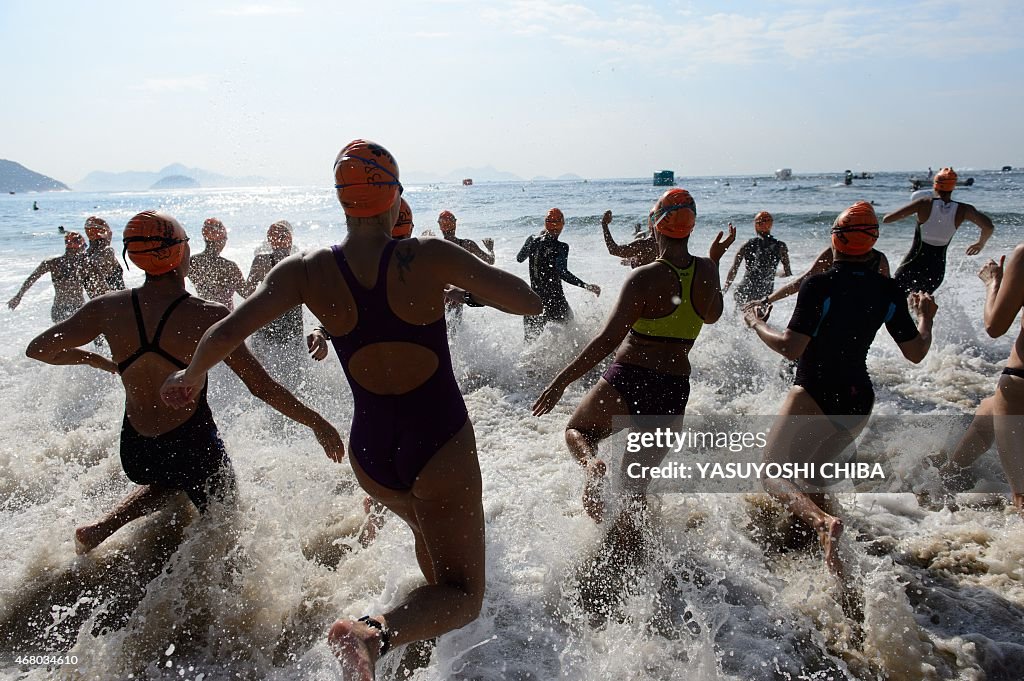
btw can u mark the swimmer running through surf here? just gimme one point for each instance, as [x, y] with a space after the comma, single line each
[412, 445]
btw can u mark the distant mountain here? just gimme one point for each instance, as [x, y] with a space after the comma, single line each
[15, 177]
[176, 182]
[101, 181]
[569, 176]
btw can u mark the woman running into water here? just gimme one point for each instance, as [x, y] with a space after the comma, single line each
[412, 445]
[549, 267]
[67, 273]
[835, 321]
[999, 418]
[152, 331]
[938, 218]
[762, 254]
[655, 321]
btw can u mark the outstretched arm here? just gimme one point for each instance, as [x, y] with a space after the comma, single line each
[623, 251]
[628, 309]
[786, 270]
[788, 343]
[471, 246]
[906, 211]
[568, 277]
[972, 214]
[1004, 296]
[263, 386]
[821, 264]
[488, 285]
[526, 250]
[258, 271]
[733, 270]
[281, 291]
[43, 268]
[916, 347]
[60, 344]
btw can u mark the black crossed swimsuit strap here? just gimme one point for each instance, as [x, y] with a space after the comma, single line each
[146, 345]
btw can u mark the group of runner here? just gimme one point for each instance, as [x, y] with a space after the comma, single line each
[381, 296]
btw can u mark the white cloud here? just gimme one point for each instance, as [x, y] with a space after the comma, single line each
[799, 30]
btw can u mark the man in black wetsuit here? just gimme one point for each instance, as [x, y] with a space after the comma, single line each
[549, 267]
[763, 254]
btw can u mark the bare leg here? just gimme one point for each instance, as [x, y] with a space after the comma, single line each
[795, 440]
[589, 424]
[1008, 410]
[978, 439]
[445, 512]
[141, 501]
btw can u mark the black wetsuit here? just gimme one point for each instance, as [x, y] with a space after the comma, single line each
[190, 457]
[549, 267]
[762, 255]
[924, 267]
[842, 310]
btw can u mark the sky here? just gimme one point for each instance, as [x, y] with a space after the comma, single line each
[533, 87]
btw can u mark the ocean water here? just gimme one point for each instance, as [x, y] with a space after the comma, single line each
[250, 594]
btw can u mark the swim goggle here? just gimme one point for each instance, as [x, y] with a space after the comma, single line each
[164, 241]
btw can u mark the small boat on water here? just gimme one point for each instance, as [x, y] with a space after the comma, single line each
[664, 178]
[918, 183]
[784, 174]
[468, 182]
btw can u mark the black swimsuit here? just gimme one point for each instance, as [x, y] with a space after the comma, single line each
[762, 255]
[842, 310]
[189, 457]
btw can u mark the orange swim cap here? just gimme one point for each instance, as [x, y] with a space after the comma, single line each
[446, 220]
[945, 180]
[155, 242]
[74, 240]
[366, 177]
[214, 230]
[675, 214]
[855, 231]
[97, 228]
[554, 221]
[403, 226]
[279, 235]
[763, 222]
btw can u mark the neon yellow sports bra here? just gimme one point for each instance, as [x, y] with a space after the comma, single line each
[683, 324]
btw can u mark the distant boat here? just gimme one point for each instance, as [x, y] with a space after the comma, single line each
[664, 178]
[784, 174]
[917, 183]
[468, 182]
[1007, 169]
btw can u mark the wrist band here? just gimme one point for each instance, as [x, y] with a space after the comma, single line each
[385, 635]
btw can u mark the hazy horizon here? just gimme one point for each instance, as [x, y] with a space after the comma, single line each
[531, 87]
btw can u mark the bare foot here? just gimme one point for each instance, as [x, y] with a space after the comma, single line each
[88, 537]
[593, 490]
[829, 533]
[1018, 502]
[374, 521]
[355, 644]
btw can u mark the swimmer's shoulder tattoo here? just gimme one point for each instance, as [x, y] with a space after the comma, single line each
[404, 257]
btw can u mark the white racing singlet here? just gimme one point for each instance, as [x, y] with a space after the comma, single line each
[940, 227]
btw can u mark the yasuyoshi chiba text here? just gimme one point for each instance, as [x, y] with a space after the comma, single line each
[731, 470]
